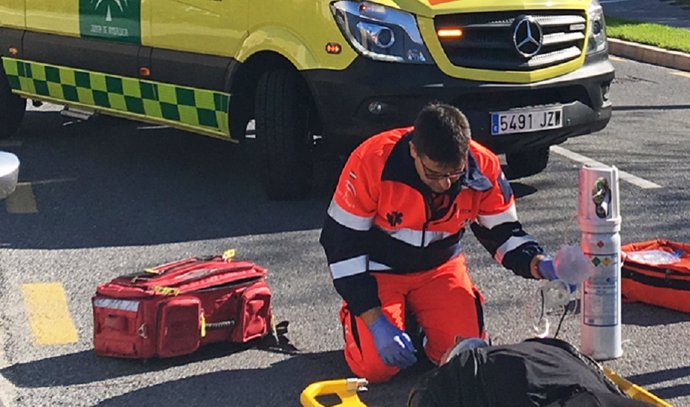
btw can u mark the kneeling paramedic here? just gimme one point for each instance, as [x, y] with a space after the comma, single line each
[393, 233]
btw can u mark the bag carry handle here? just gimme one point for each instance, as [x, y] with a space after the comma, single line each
[244, 272]
[202, 267]
[166, 268]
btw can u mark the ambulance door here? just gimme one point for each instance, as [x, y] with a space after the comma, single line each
[213, 27]
[11, 26]
[12, 14]
[192, 40]
[53, 16]
[93, 35]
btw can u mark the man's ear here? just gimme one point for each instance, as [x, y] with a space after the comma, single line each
[413, 150]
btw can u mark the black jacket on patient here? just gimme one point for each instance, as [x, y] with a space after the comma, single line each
[537, 372]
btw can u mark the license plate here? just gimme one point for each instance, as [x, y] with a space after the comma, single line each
[522, 121]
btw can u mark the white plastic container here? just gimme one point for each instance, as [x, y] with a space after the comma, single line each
[9, 171]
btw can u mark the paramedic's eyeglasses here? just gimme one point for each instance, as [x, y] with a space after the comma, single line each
[436, 176]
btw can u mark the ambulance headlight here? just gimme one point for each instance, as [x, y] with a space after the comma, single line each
[597, 29]
[381, 33]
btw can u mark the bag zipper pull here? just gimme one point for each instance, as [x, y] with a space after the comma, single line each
[228, 255]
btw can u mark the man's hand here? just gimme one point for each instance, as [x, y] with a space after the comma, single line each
[394, 345]
[546, 268]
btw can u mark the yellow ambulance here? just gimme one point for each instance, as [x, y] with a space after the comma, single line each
[527, 73]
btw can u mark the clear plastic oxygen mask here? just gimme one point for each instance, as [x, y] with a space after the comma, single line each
[554, 297]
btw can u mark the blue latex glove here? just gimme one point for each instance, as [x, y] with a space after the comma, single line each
[394, 345]
[547, 271]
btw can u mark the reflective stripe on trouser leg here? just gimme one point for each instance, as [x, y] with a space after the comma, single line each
[446, 305]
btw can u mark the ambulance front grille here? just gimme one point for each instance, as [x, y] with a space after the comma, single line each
[487, 40]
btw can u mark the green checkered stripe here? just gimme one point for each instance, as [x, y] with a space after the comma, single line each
[196, 109]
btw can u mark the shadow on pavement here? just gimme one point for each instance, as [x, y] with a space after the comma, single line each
[86, 367]
[670, 392]
[250, 388]
[640, 314]
[278, 385]
[645, 379]
[113, 182]
[667, 392]
[118, 183]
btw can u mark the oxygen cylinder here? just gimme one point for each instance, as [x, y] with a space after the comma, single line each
[600, 223]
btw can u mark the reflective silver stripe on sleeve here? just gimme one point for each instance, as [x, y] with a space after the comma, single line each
[511, 244]
[349, 267]
[111, 303]
[375, 266]
[432, 237]
[347, 219]
[414, 237]
[489, 221]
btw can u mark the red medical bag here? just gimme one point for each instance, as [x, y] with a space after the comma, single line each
[174, 308]
[657, 272]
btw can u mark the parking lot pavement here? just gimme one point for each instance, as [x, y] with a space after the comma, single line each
[652, 11]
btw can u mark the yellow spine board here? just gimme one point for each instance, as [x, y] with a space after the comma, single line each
[346, 389]
[635, 391]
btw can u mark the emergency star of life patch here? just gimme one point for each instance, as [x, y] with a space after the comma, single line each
[394, 218]
[115, 20]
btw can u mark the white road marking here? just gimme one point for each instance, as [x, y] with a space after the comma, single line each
[154, 127]
[617, 59]
[625, 176]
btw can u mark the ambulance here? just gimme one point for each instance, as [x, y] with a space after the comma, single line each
[527, 73]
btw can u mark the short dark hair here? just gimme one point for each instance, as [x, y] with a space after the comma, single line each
[442, 133]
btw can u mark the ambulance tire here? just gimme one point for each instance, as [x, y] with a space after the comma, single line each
[526, 163]
[282, 132]
[12, 109]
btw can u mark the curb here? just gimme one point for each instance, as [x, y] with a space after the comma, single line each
[649, 54]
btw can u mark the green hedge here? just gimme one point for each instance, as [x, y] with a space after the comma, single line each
[647, 33]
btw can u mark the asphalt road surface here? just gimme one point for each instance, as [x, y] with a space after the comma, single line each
[107, 197]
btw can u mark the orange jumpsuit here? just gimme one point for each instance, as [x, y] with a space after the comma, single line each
[391, 242]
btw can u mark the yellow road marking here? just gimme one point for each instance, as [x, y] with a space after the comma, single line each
[683, 74]
[49, 317]
[22, 200]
